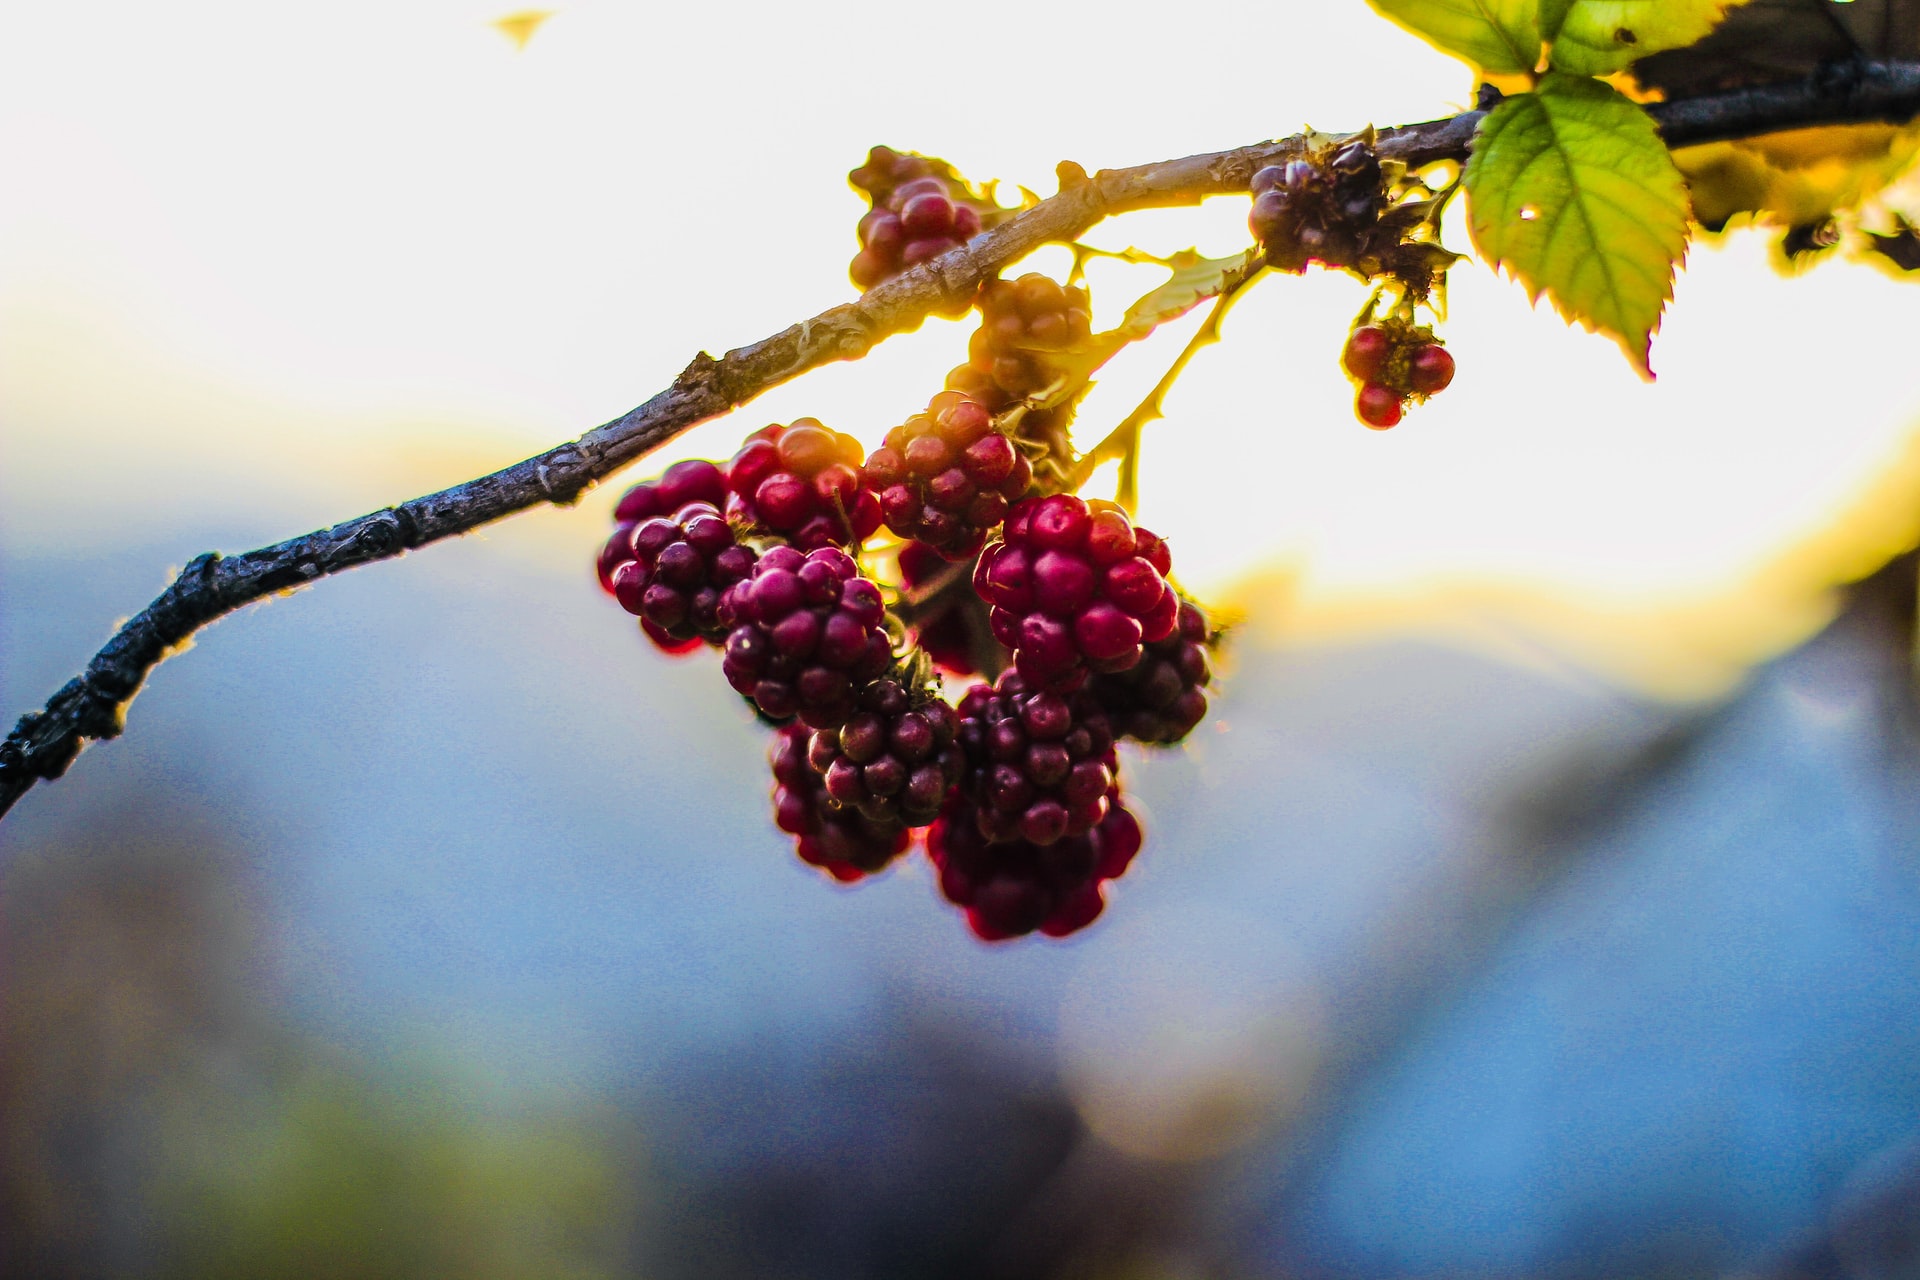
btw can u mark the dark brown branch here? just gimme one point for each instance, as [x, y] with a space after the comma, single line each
[93, 705]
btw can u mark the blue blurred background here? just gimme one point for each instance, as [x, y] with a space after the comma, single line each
[1541, 898]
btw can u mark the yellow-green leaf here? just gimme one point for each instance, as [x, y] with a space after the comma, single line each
[1501, 37]
[1195, 279]
[1599, 37]
[1571, 189]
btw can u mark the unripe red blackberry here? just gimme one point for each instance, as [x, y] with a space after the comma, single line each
[1013, 887]
[894, 759]
[920, 209]
[695, 480]
[1161, 698]
[806, 634]
[1026, 326]
[1039, 764]
[1365, 357]
[681, 567]
[1430, 370]
[802, 482]
[946, 478]
[1377, 406]
[840, 840]
[1075, 587]
[1321, 208]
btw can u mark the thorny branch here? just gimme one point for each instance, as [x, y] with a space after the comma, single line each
[93, 704]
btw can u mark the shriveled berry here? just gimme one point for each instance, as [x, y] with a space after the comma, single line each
[1377, 406]
[1075, 587]
[839, 839]
[806, 635]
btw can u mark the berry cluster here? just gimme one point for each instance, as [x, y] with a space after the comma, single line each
[1394, 362]
[946, 478]
[1320, 208]
[1062, 606]
[1075, 587]
[1027, 328]
[839, 839]
[920, 209]
[805, 635]
[802, 482]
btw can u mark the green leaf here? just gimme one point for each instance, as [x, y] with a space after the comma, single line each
[1600, 37]
[1571, 190]
[1194, 280]
[1501, 37]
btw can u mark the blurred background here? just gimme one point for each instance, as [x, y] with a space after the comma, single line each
[1542, 896]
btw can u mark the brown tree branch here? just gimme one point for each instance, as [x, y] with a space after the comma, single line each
[93, 705]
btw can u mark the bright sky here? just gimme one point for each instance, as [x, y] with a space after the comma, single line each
[370, 249]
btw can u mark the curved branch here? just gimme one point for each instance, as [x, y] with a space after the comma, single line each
[93, 705]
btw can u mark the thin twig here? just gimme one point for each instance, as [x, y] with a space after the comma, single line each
[93, 704]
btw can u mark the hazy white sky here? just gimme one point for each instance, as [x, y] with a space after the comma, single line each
[319, 257]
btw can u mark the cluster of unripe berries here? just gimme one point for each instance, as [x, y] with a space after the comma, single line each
[1014, 790]
[1393, 363]
[920, 209]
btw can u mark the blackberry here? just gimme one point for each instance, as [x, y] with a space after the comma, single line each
[806, 633]
[946, 478]
[802, 482]
[894, 759]
[1013, 887]
[1039, 764]
[695, 480]
[1318, 209]
[922, 219]
[1026, 328]
[1075, 587]
[885, 169]
[1160, 699]
[681, 567]
[840, 840]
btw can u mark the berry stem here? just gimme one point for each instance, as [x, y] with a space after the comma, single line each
[1123, 442]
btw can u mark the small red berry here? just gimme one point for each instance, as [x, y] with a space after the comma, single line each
[1377, 406]
[1430, 370]
[1366, 353]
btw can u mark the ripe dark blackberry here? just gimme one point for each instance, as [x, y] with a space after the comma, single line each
[895, 758]
[1317, 209]
[806, 634]
[946, 478]
[1039, 764]
[950, 628]
[1026, 328]
[682, 565]
[1160, 699]
[1075, 587]
[695, 480]
[838, 839]
[802, 482]
[1013, 887]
